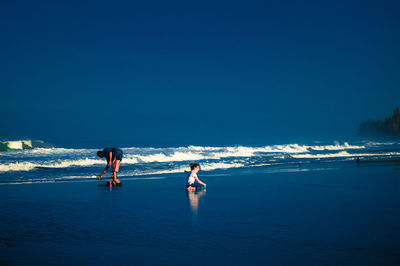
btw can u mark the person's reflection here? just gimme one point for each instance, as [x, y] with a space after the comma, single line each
[194, 197]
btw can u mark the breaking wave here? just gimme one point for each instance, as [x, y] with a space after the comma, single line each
[28, 160]
[27, 166]
[63, 165]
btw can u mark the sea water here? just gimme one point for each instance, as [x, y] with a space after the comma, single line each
[80, 165]
[261, 206]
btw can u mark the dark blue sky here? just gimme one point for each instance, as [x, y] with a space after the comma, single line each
[90, 73]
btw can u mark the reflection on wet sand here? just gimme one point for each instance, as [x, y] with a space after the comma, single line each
[194, 197]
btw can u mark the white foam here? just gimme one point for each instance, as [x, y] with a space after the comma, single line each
[162, 157]
[27, 166]
[372, 143]
[345, 146]
[181, 169]
[58, 151]
[194, 153]
[39, 152]
[344, 154]
[134, 155]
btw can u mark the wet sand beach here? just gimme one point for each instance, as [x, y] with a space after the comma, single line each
[314, 215]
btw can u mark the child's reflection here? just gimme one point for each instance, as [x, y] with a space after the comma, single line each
[194, 197]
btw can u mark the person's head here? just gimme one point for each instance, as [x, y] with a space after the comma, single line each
[194, 166]
[100, 154]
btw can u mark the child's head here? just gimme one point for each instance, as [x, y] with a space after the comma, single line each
[100, 154]
[194, 166]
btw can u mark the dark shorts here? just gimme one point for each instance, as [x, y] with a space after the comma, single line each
[118, 155]
[195, 184]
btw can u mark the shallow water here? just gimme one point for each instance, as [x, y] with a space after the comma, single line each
[330, 214]
[78, 165]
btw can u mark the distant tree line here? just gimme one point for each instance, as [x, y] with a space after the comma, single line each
[389, 127]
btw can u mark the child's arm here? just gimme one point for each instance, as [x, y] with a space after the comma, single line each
[198, 180]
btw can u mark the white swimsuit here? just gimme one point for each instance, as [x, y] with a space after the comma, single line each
[191, 178]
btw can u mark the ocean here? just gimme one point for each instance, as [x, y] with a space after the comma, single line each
[49, 165]
[261, 206]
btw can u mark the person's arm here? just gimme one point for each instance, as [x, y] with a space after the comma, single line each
[105, 170]
[108, 164]
[198, 180]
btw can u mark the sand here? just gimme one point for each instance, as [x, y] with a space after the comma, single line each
[317, 215]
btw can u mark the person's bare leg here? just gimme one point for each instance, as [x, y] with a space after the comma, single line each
[115, 170]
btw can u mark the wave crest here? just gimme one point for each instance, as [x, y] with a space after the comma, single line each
[28, 160]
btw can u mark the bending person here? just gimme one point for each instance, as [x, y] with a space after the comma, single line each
[193, 181]
[114, 158]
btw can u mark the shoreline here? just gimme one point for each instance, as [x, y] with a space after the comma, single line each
[265, 168]
[345, 215]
